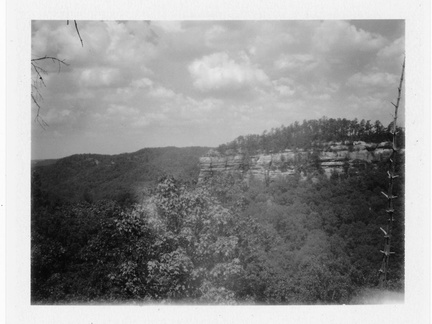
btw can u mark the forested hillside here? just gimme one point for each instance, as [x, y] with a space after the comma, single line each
[295, 240]
[122, 177]
[312, 132]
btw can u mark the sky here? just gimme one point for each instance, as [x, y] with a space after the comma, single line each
[137, 84]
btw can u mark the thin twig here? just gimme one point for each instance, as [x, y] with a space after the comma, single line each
[77, 30]
[35, 101]
[40, 120]
[35, 89]
[37, 68]
[49, 58]
[39, 71]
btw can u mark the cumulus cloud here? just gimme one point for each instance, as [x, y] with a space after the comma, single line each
[296, 61]
[219, 71]
[149, 119]
[100, 77]
[169, 26]
[150, 88]
[214, 35]
[57, 116]
[369, 105]
[122, 110]
[333, 35]
[284, 87]
[393, 51]
[142, 83]
[371, 79]
[161, 92]
[285, 90]
[207, 82]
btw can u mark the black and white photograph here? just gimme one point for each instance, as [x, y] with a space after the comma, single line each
[218, 161]
[242, 163]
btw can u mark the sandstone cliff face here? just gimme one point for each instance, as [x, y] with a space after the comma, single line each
[332, 157]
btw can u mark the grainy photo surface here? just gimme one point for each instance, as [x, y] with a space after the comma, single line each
[232, 162]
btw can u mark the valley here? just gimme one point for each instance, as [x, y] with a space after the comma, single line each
[227, 225]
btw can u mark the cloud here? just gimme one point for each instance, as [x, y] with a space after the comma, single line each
[284, 87]
[296, 61]
[285, 91]
[206, 82]
[369, 106]
[150, 88]
[168, 26]
[143, 83]
[218, 71]
[333, 35]
[57, 116]
[371, 79]
[122, 110]
[130, 45]
[215, 34]
[393, 51]
[100, 77]
[148, 119]
[161, 92]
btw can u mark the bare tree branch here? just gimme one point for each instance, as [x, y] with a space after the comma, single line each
[77, 30]
[35, 94]
[55, 59]
[39, 70]
[39, 119]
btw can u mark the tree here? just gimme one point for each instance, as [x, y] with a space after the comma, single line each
[389, 195]
[198, 249]
[38, 71]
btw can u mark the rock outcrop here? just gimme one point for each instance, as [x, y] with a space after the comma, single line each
[331, 157]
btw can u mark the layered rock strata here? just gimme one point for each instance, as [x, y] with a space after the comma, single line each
[331, 157]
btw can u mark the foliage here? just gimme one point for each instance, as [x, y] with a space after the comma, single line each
[93, 177]
[180, 244]
[295, 240]
[310, 133]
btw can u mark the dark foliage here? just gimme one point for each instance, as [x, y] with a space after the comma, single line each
[294, 241]
[93, 177]
[310, 133]
[291, 241]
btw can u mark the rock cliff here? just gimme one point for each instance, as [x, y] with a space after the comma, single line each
[339, 157]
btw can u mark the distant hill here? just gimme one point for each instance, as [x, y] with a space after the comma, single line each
[43, 162]
[311, 209]
[121, 177]
[307, 134]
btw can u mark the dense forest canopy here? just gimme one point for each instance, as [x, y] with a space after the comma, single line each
[305, 135]
[295, 240]
[122, 177]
